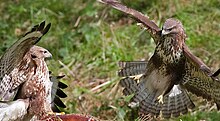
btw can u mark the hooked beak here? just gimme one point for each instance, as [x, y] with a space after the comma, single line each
[164, 32]
[48, 56]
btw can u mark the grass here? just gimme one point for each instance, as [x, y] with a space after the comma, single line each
[87, 39]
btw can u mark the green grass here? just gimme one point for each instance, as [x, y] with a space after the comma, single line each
[90, 48]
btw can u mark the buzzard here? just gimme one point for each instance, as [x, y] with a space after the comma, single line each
[18, 108]
[160, 86]
[25, 78]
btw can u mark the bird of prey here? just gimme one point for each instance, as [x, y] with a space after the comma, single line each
[25, 79]
[18, 108]
[160, 86]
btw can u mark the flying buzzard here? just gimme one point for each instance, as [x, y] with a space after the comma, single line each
[162, 83]
[25, 79]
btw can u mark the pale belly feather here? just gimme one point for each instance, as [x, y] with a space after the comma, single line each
[157, 83]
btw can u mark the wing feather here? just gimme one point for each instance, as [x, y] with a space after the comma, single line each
[13, 56]
[57, 93]
[196, 61]
[151, 27]
[199, 82]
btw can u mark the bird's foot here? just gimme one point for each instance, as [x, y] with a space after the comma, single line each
[61, 113]
[137, 77]
[54, 113]
[160, 99]
[52, 116]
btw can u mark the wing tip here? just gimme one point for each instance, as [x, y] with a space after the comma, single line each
[46, 29]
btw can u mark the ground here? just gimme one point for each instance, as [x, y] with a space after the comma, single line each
[87, 39]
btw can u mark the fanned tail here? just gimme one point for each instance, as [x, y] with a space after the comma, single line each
[175, 103]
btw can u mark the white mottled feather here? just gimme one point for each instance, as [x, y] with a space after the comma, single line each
[13, 111]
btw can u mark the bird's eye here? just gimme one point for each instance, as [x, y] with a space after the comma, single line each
[45, 51]
[33, 56]
[169, 29]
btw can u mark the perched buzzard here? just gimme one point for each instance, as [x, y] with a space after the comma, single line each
[162, 83]
[25, 79]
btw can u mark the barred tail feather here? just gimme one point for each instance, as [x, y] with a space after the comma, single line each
[129, 84]
[145, 99]
[150, 106]
[177, 102]
[131, 68]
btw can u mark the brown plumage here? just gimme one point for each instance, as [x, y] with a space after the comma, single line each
[25, 79]
[18, 109]
[70, 117]
[37, 84]
[173, 70]
[14, 67]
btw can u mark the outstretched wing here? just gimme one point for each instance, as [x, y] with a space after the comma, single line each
[151, 27]
[154, 30]
[200, 82]
[14, 55]
[196, 61]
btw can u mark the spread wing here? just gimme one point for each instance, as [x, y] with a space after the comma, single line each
[154, 30]
[151, 27]
[14, 55]
[198, 79]
[198, 63]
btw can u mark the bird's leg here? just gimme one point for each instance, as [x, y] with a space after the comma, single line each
[137, 77]
[160, 99]
[61, 113]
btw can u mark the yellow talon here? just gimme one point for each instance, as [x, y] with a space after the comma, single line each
[137, 77]
[61, 113]
[54, 113]
[51, 113]
[160, 99]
